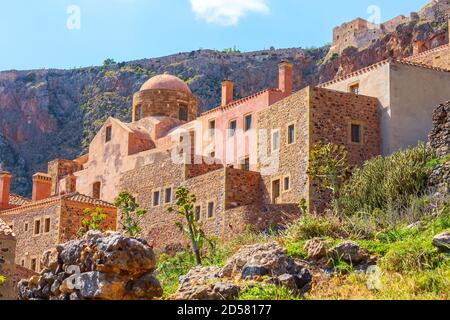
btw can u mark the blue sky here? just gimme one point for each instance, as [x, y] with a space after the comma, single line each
[74, 33]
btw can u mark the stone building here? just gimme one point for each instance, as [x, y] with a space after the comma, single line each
[7, 264]
[45, 220]
[246, 160]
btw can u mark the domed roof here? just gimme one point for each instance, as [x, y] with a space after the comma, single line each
[167, 82]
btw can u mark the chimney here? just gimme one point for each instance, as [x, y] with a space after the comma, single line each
[227, 92]
[5, 189]
[42, 186]
[285, 69]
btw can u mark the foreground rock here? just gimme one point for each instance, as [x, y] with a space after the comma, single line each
[350, 252]
[263, 263]
[442, 241]
[99, 266]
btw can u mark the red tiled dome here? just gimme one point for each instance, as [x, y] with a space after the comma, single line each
[167, 82]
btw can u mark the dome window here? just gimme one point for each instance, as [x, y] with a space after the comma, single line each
[183, 113]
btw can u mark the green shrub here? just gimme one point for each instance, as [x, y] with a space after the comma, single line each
[171, 268]
[417, 254]
[388, 184]
[314, 226]
[267, 292]
[2, 280]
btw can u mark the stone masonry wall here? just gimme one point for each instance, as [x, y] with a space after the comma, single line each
[440, 141]
[164, 103]
[242, 188]
[332, 114]
[291, 161]
[438, 57]
[30, 243]
[7, 261]
[72, 215]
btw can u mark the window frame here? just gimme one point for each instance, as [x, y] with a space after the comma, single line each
[213, 202]
[37, 220]
[165, 195]
[288, 176]
[49, 224]
[212, 131]
[201, 213]
[185, 109]
[353, 85]
[243, 163]
[232, 134]
[153, 198]
[361, 132]
[246, 129]
[294, 134]
[277, 131]
[108, 133]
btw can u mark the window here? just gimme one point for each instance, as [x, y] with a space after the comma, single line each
[96, 190]
[37, 227]
[138, 112]
[291, 134]
[183, 113]
[33, 264]
[354, 88]
[246, 164]
[275, 140]
[287, 183]
[108, 134]
[168, 195]
[248, 122]
[47, 225]
[156, 198]
[276, 191]
[211, 209]
[11, 227]
[212, 128]
[356, 133]
[232, 128]
[212, 154]
[26, 227]
[22, 262]
[198, 213]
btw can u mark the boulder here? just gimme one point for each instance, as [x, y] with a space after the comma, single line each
[316, 249]
[99, 266]
[442, 241]
[264, 263]
[350, 252]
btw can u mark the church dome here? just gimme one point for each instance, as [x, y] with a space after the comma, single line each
[166, 82]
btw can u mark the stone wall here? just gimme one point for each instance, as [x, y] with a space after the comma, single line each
[438, 57]
[332, 113]
[291, 161]
[440, 141]
[242, 188]
[59, 169]
[30, 243]
[7, 261]
[164, 103]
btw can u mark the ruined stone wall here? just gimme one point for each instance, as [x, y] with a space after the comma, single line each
[7, 261]
[440, 141]
[332, 114]
[438, 57]
[59, 169]
[291, 161]
[30, 243]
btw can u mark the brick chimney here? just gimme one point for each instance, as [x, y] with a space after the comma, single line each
[285, 70]
[42, 186]
[5, 189]
[227, 92]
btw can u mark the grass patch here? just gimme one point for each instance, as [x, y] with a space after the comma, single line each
[267, 292]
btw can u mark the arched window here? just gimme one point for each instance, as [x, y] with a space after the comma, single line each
[138, 112]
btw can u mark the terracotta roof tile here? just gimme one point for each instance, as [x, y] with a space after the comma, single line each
[5, 232]
[17, 200]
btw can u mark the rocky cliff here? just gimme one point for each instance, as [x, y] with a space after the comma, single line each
[48, 114]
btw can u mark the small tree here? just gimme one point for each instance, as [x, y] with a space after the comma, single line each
[92, 221]
[192, 229]
[329, 165]
[131, 214]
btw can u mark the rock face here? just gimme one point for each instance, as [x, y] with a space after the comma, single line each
[60, 111]
[440, 141]
[266, 263]
[98, 267]
[442, 241]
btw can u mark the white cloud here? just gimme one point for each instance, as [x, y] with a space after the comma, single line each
[227, 12]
